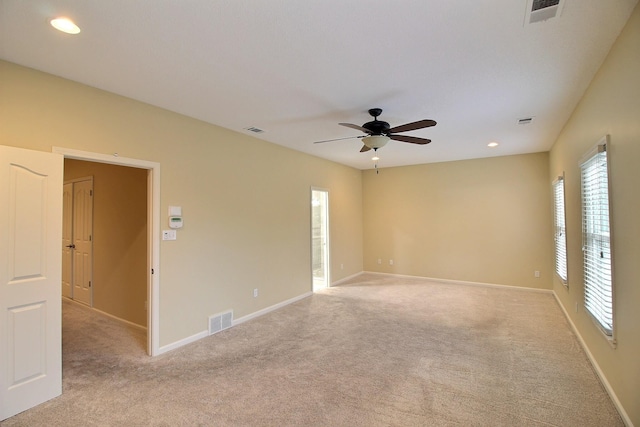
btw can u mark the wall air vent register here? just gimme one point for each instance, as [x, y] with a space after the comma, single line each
[541, 10]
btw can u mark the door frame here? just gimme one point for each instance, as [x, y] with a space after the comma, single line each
[153, 232]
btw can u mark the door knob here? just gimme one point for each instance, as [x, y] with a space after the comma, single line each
[71, 246]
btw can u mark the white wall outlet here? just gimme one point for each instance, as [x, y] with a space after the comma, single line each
[390, 262]
[379, 261]
[255, 293]
[537, 274]
[169, 235]
[341, 266]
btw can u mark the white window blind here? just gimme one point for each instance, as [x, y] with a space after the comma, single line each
[560, 229]
[596, 236]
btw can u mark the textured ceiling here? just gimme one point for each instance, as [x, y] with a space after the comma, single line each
[297, 68]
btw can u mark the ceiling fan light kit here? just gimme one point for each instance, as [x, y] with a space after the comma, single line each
[375, 141]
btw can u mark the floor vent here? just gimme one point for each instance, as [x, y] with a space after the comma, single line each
[220, 322]
[541, 10]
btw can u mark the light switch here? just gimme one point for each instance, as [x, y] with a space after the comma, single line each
[175, 210]
[168, 234]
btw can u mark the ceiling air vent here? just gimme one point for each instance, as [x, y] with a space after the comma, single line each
[254, 129]
[541, 10]
[525, 120]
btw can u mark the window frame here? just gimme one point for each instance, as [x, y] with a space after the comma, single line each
[561, 256]
[597, 236]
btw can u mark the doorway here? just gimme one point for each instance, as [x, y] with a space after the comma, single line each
[320, 238]
[152, 235]
[77, 240]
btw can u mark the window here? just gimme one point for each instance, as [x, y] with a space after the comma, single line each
[596, 237]
[560, 229]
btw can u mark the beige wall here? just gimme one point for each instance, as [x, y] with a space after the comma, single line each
[246, 203]
[119, 237]
[611, 106]
[485, 220]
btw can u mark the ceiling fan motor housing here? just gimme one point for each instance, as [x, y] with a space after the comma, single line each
[377, 127]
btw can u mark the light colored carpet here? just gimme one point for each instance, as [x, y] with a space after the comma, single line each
[377, 351]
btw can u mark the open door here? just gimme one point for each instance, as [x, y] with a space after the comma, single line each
[30, 278]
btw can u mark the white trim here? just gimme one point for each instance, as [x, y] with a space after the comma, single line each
[114, 159]
[270, 309]
[344, 279]
[465, 283]
[153, 260]
[74, 180]
[182, 342]
[126, 322]
[596, 367]
[601, 145]
[153, 224]
[205, 334]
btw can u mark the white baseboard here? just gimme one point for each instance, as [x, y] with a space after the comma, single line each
[126, 322]
[596, 367]
[104, 313]
[182, 342]
[270, 309]
[462, 282]
[204, 334]
[344, 279]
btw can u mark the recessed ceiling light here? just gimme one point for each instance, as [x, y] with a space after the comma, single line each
[375, 158]
[65, 25]
[492, 144]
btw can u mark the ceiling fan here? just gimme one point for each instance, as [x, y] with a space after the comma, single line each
[378, 133]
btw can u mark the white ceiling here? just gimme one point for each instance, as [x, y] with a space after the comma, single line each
[297, 68]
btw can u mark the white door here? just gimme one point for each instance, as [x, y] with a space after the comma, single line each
[320, 238]
[82, 226]
[67, 239]
[77, 244]
[30, 276]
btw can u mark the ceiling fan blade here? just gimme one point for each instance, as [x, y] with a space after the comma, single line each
[356, 127]
[413, 126]
[339, 139]
[410, 139]
[365, 148]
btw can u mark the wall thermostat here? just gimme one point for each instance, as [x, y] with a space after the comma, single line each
[175, 216]
[175, 222]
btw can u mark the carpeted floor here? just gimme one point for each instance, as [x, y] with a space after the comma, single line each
[377, 351]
